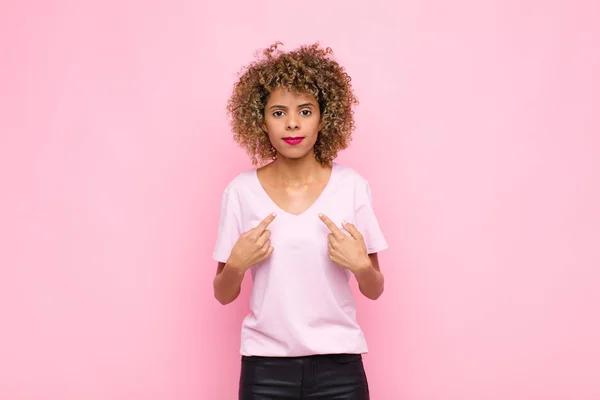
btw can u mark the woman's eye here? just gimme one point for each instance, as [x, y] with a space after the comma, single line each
[305, 113]
[278, 113]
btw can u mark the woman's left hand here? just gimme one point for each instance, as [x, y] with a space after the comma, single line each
[348, 252]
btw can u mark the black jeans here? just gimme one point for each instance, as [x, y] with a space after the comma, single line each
[326, 377]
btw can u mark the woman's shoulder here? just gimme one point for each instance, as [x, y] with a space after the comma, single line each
[240, 181]
[349, 174]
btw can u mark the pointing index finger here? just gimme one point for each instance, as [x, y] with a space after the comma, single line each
[265, 222]
[332, 227]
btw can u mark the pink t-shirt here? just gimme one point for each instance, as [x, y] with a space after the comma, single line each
[301, 302]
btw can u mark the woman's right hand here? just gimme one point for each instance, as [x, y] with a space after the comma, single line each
[252, 247]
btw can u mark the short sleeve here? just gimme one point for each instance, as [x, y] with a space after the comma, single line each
[366, 220]
[229, 228]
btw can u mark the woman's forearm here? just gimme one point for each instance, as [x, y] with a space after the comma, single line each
[370, 282]
[227, 284]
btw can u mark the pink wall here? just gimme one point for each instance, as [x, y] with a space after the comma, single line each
[115, 148]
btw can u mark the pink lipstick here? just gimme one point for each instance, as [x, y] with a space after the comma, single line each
[293, 140]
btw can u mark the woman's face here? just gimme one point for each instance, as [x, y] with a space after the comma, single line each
[292, 122]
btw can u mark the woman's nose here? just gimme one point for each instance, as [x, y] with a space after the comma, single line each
[292, 123]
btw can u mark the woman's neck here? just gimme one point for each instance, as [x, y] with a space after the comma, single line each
[298, 171]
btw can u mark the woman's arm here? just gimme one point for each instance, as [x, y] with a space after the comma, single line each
[351, 252]
[227, 283]
[370, 279]
[251, 248]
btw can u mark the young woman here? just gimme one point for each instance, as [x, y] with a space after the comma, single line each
[303, 225]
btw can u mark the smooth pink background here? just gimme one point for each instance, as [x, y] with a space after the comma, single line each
[478, 129]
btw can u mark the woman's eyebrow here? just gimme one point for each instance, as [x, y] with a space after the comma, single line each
[277, 106]
[308, 104]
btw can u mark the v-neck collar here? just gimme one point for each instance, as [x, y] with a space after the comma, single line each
[314, 204]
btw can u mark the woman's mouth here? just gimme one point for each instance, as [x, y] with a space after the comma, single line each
[293, 140]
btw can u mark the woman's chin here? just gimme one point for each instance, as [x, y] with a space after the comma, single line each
[296, 155]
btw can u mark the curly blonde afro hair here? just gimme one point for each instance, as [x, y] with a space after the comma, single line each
[308, 70]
